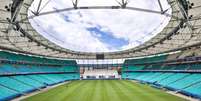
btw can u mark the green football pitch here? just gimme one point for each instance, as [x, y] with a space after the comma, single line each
[103, 90]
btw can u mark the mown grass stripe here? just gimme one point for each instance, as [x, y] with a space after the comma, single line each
[104, 90]
[121, 91]
[78, 92]
[97, 94]
[113, 96]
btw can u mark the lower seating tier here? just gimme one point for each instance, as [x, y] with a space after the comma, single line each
[13, 86]
[186, 83]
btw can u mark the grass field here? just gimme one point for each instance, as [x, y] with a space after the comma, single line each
[103, 90]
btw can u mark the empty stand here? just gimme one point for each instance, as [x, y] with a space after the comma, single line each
[21, 74]
[180, 76]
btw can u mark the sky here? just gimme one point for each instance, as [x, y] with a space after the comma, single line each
[99, 30]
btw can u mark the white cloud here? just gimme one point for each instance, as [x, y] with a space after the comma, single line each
[126, 24]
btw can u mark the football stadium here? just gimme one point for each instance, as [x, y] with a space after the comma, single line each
[100, 50]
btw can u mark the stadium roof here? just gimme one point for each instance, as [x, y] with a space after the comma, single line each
[17, 34]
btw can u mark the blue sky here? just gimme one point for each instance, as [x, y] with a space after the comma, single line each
[108, 38]
[99, 30]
